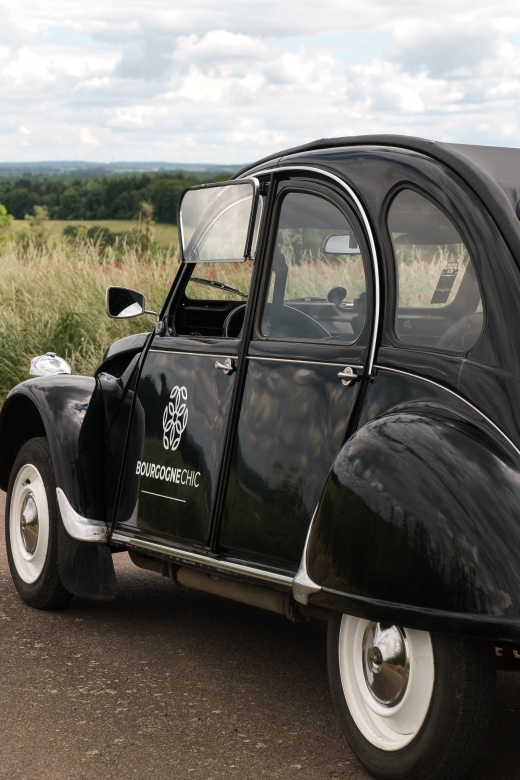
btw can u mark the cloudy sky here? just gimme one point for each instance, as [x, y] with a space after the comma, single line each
[228, 81]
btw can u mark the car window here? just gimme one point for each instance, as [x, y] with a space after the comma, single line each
[210, 280]
[438, 294]
[317, 281]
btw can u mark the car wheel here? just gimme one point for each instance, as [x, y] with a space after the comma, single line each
[31, 528]
[412, 705]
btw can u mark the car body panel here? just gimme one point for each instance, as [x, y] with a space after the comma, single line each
[294, 419]
[176, 501]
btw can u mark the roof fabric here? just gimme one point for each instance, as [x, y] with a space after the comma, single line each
[493, 173]
[502, 164]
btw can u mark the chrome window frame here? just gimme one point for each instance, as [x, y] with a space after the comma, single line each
[366, 224]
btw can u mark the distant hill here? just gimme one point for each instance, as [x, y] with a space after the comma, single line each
[69, 169]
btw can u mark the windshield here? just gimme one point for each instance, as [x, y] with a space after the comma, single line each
[215, 223]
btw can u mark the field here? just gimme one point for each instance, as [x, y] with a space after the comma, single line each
[165, 235]
[52, 298]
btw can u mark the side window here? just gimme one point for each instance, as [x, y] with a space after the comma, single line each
[317, 282]
[223, 281]
[220, 281]
[438, 295]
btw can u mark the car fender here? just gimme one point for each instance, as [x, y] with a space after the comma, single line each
[420, 521]
[53, 406]
[69, 411]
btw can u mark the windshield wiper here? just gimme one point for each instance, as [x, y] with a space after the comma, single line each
[219, 285]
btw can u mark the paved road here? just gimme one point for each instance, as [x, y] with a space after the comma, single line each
[166, 683]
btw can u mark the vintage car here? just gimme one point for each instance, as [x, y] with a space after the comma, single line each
[324, 422]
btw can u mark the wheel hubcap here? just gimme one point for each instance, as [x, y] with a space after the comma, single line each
[29, 523]
[387, 676]
[386, 663]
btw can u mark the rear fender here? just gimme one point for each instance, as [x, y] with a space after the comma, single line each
[420, 522]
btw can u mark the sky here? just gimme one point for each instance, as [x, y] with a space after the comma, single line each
[231, 81]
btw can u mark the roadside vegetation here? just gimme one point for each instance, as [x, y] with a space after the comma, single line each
[52, 293]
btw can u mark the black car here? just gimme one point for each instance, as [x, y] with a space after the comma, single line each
[325, 422]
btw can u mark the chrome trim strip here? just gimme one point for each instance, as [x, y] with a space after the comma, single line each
[306, 362]
[160, 495]
[181, 352]
[80, 527]
[372, 245]
[302, 585]
[452, 392]
[213, 563]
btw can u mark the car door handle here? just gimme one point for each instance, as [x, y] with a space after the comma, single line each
[348, 376]
[227, 366]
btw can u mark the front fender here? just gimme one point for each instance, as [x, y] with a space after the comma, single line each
[421, 518]
[55, 407]
[58, 407]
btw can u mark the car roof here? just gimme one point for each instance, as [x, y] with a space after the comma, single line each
[492, 172]
[500, 163]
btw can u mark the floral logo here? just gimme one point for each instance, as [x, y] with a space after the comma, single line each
[175, 418]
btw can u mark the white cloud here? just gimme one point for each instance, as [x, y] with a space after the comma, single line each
[219, 46]
[87, 137]
[223, 81]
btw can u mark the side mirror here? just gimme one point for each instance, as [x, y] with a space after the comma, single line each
[341, 245]
[122, 303]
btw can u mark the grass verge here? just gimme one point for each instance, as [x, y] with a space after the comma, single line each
[52, 298]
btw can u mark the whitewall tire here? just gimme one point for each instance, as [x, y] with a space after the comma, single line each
[31, 528]
[412, 705]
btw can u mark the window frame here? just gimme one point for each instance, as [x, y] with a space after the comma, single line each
[391, 276]
[318, 189]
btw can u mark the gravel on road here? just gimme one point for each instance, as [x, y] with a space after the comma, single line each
[172, 683]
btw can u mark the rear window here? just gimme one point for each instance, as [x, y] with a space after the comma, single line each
[438, 294]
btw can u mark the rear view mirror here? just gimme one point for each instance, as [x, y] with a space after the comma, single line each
[217, 221]
[341, 245]
[122, 303]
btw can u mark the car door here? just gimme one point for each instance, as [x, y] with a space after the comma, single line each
[305, 361]
[187, 381]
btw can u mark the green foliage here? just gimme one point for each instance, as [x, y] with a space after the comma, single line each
[101, 197]
[140, 238]
[5, 218]
[37, 229]
[5, 221]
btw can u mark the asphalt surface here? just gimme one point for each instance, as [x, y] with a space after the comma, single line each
[171, 683]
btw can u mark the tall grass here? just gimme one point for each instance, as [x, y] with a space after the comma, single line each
[52, 298]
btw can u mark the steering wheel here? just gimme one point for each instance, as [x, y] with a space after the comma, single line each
[227, 322]
[463, 334]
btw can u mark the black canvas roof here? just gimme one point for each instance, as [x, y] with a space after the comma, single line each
[493, 172]
[501, 164]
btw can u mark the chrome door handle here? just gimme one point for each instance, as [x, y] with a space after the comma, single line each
[348, 376]
[227, 366]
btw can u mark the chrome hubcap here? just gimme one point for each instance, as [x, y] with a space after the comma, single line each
[29, 523]
[386, 663]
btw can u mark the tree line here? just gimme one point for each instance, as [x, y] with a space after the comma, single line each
[114, 197]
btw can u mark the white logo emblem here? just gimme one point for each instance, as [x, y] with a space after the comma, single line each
[175, 418]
